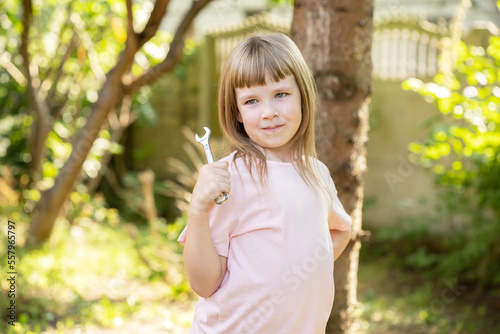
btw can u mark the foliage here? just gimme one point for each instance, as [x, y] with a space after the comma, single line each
[463, 152]
[279, 2]
[186, 174]
[68, 284]
[396, 300]
[14, 130]
[73, 44]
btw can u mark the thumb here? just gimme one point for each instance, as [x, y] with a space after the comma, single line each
[222, 164]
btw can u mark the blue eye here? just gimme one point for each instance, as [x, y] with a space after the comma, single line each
[281, 94]
[252, 101]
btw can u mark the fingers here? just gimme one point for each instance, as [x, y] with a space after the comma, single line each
[213, 180]
[214, 188]
[221, 168]
[224, 165]
[214, 170]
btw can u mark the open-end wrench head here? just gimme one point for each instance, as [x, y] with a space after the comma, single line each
[205, 137]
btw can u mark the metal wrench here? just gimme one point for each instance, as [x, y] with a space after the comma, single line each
[208, 152]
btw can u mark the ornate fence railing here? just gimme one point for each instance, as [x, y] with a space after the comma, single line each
[404, 45]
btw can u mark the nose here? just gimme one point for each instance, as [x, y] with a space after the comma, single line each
[270, 111]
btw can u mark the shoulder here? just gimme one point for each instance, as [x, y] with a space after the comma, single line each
[236, 165]
[230, 158]
[319, 167]
[322, 167]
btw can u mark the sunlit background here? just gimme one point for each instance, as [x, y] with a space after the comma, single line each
[112, 263]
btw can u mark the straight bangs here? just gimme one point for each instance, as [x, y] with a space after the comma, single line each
[258, 61]
[272, 57]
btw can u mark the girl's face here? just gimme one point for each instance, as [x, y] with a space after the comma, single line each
[271, 115]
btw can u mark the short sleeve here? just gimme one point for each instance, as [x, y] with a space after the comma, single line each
[338, 218]
[223, 220]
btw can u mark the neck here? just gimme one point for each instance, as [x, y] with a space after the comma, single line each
[279, 156]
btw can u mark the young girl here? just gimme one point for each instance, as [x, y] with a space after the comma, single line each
[262, 262]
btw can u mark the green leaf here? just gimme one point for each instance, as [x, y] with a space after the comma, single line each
[446, 105]
[494, 47]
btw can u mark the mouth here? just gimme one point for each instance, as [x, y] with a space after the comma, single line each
[273, 127]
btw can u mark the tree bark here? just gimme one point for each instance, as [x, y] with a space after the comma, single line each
[42, 120]
[113, 89]
[335, 39]
[118, 124]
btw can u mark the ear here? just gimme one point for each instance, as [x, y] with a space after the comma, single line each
[238, 117]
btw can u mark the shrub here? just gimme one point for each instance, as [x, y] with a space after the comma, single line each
[463, 153]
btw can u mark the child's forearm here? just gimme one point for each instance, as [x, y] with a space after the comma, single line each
[340, 239]
[203, 264]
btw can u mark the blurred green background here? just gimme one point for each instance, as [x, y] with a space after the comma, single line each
[112, 263]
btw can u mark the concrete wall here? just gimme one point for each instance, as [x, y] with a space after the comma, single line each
[394, 186]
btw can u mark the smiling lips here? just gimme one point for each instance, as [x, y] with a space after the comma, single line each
[273, 127]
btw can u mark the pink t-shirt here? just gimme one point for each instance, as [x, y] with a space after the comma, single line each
[279, 276]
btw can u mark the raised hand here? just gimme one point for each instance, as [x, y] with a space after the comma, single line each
[212, 181]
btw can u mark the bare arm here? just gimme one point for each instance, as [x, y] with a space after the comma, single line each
[340, 239]
[204, 266]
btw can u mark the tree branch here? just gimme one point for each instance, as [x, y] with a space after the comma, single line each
[95, 66]
[130, 19]
[40, 128]
[174, 53]
[46, 82]
[131, 35]
[73, 43]
[136, 41]
[58, 108]
[51, 201]
[40, 108]
[12, 69]
[117, 126]
[153, 23]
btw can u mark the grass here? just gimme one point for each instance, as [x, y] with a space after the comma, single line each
[394, 299]
[92, 276]
[97, 278]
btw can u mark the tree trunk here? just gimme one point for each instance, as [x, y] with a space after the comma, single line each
[41, 126]
[47, 209]
[40, 129]
[335, 39]
[51, 201]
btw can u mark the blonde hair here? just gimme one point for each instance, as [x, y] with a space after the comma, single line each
[272, 56]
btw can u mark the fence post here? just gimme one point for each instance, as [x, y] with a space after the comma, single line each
[206, 84]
